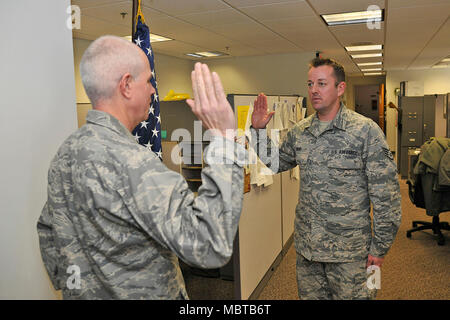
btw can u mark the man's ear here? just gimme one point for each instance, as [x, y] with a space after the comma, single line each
[125, 85]
[341, 88]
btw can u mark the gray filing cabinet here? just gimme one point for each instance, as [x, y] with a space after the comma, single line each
[418, 125]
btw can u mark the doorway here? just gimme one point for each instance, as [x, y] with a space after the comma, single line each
[367, 99]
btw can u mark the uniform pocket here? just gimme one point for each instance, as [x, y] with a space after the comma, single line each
[346, 166]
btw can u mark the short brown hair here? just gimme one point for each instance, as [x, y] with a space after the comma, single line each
[339, 72]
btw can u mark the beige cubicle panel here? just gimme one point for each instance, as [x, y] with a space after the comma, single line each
[260, 240]
[289, 199]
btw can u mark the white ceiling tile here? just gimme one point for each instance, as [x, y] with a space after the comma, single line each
[96, 28]
[111, 13]
[95, 3]
[212, 18]
[279, 11]
[251, 3]
[358, 33]
[183, 7]
[328, 7]
[415, 3]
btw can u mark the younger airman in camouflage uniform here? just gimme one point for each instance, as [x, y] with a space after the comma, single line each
[345, 166]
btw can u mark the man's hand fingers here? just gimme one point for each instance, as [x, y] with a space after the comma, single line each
[202, 101]
[209, 86]
[220, 93]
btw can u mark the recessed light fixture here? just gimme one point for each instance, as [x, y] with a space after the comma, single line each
[210, 54]
[365, 47]
[372, 69]
[153, 38]
[373, 74]
[368, 16]
[158, 38]
[194, 55]
[366, 55]
[378, 63]
[439, 66]
[206, 54]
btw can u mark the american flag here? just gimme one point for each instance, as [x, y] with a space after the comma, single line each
[148, 132]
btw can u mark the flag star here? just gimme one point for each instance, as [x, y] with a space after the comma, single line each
[155, 132]
[153, 74]
[159, 118]
[144, 124]
[151, 110]
[156, 97]
[159, 153]
[138, 41]
[149, 51]
[149, 145]
[137, 137]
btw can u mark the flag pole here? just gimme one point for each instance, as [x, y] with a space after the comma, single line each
[133, 18]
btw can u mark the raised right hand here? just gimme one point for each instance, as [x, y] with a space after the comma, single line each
[210, 103]
[260, 116]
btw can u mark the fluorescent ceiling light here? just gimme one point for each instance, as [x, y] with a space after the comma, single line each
[205, 54]
[210, 54]
[153, 38]
[373, 74]
[366, 55]
[157, 38]
[438, 66]
[369, 16]
[445, 60]
[194, 55]
[372, 69]
[370, 63]
[365, 47]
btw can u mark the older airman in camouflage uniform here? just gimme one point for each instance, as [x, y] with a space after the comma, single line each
[345, 166]
[116, 217]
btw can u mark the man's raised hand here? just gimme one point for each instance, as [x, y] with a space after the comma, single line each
[260, 116]
[210, 103]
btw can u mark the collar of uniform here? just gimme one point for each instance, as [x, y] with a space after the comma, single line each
[338, 121]
[106, 120]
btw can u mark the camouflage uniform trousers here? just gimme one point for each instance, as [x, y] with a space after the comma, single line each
[332, 280]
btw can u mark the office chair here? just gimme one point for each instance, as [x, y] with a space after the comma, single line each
[428, 191]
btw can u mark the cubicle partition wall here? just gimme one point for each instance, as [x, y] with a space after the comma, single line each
[267, 220]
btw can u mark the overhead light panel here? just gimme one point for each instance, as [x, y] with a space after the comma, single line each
[206, 54]
[365, 47]
[158, 38]
[194, 55]
[439, 66]
[366, 55]
[445, 60]
[373, 74]
[371, 69]
[210, 54]
[378, 63]
[153, 38]
[369, 16]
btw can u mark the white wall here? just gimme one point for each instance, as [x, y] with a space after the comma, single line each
[37, 113]
[280, 74]
[436, 81]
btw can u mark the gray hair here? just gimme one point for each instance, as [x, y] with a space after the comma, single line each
[104, 62]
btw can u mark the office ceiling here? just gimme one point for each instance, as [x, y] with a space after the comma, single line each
[415, 33]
